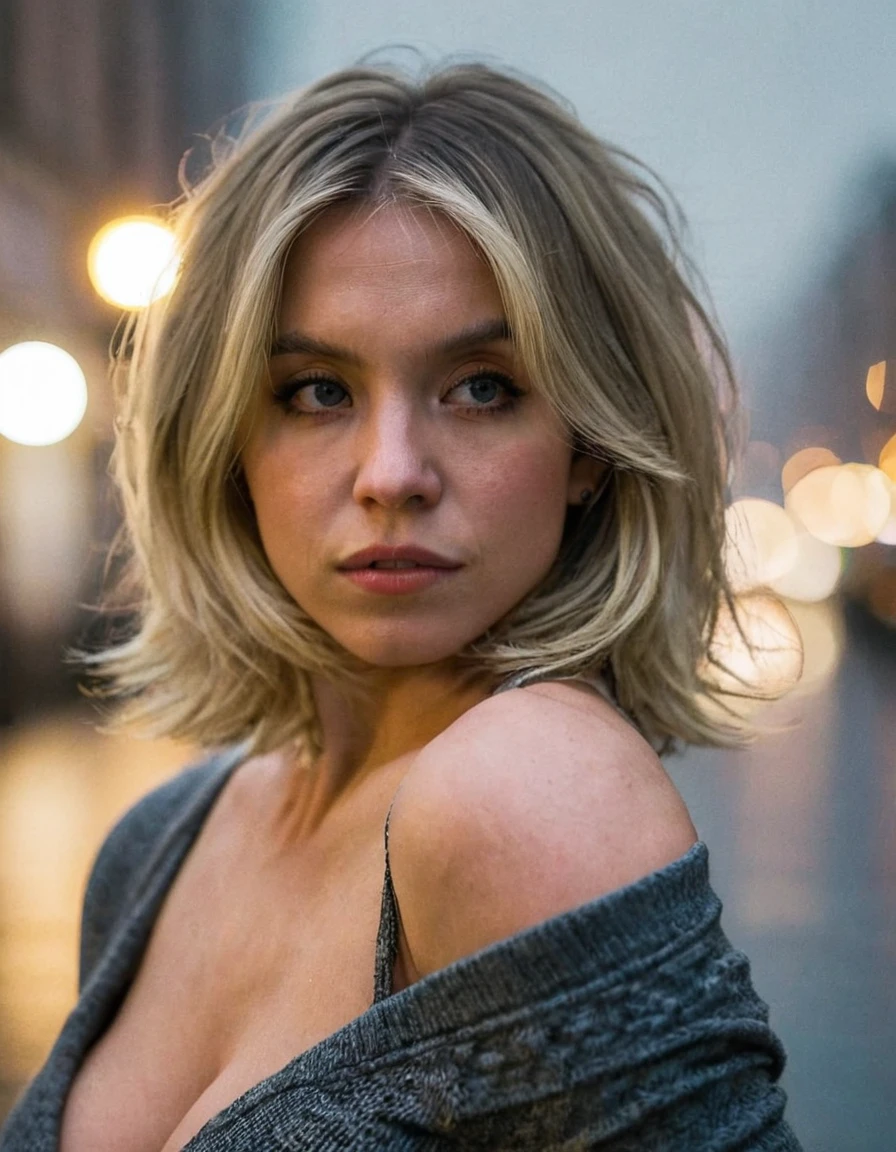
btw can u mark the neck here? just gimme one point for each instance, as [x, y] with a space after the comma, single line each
[409, 708]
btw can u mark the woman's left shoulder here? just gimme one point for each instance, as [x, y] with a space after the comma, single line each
[536, 801]
[555, 747]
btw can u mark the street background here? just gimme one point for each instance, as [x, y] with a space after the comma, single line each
[775, 126]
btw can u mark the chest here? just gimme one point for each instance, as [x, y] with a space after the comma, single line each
[249, 964]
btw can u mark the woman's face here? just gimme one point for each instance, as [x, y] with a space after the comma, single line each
[397, 413]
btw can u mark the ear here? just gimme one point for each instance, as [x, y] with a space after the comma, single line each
[585, 475]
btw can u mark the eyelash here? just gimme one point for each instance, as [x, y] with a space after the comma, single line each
[284, 394]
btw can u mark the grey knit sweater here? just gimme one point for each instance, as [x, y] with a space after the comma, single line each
[629, 1023]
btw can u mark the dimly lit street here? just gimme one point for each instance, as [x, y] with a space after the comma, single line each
[775, 128]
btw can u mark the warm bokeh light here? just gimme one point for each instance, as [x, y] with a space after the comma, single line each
[846, 505]
[43, 393]
[823, 633]
[815, 572]
[887, 534]
[132, 261]
[61, 789]
[803, 462]
[875, 384]
[760, 543]
[774, 664]
[887, 461]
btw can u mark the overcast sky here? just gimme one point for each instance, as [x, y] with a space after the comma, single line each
[762, 115]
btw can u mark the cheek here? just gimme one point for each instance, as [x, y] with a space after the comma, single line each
[528, 501]
[281, 513]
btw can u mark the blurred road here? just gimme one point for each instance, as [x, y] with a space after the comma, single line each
[802, 838]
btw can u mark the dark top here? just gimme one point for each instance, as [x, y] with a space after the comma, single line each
[628, 1023]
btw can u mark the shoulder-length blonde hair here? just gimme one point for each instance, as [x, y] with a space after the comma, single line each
[595, 288]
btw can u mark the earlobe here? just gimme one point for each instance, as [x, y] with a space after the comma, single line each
[588, 480]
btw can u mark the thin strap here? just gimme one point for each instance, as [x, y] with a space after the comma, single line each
[602, 682]
[387, 935]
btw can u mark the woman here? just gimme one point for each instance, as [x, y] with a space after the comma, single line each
[424, 479]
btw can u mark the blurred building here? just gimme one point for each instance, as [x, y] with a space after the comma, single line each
[99, 100]
[809, 376]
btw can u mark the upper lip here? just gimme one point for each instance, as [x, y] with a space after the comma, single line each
[380, 552]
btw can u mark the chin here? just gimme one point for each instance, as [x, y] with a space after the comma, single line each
[406, 647]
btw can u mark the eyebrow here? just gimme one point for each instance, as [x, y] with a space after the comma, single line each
[484, 332]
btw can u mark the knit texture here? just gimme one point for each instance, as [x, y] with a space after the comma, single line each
[629, 1023]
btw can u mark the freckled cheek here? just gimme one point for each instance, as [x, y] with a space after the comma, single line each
[289, 510]
[528, 508]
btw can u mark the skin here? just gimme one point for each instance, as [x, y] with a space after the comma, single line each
[507, 810]
[391, 449]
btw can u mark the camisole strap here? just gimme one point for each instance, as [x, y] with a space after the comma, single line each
[387, 934]
[602, 682]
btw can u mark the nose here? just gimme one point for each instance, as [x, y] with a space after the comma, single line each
[395, 465]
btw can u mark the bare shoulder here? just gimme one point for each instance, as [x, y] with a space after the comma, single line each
[536, 801]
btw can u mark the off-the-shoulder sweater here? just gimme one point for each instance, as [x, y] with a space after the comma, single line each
[629, 1023]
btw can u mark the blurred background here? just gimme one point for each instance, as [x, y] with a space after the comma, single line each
[775, 125]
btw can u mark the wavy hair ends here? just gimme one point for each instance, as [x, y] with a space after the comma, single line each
[596, 291]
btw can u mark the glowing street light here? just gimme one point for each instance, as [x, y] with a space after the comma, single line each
[772, 663]
[876, 386]
[846, 505]
[43, 393]
[132, 261]
[760, 543]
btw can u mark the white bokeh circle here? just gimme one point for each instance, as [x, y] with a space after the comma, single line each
[43, 393]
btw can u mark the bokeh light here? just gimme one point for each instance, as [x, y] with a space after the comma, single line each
[771, 663]
[815, 572]
[887, 534]
[822, 631]
[846, 505]
[132, 261]
[760, 543]
[875, 385]
[43, 393]
[803, 462]
[887, 460]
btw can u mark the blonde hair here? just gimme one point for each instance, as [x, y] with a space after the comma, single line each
[596, 291]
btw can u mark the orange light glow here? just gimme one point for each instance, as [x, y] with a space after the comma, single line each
[769, 662]
[875, 384]
[803, 462]
[846, 505]
[133, 261]
[887, 461]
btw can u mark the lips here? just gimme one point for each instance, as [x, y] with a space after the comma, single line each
[380, 556]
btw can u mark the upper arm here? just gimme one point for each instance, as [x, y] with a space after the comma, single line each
[523, 810]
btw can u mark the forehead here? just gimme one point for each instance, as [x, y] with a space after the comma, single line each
[395, 255]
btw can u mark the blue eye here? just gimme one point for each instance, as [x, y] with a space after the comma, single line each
[490, 380]
[329, 394]
[325, 389]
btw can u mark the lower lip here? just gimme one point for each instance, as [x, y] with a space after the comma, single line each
[394, 581]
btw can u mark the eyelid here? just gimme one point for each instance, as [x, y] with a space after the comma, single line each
[283, 393]
[289, 387]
